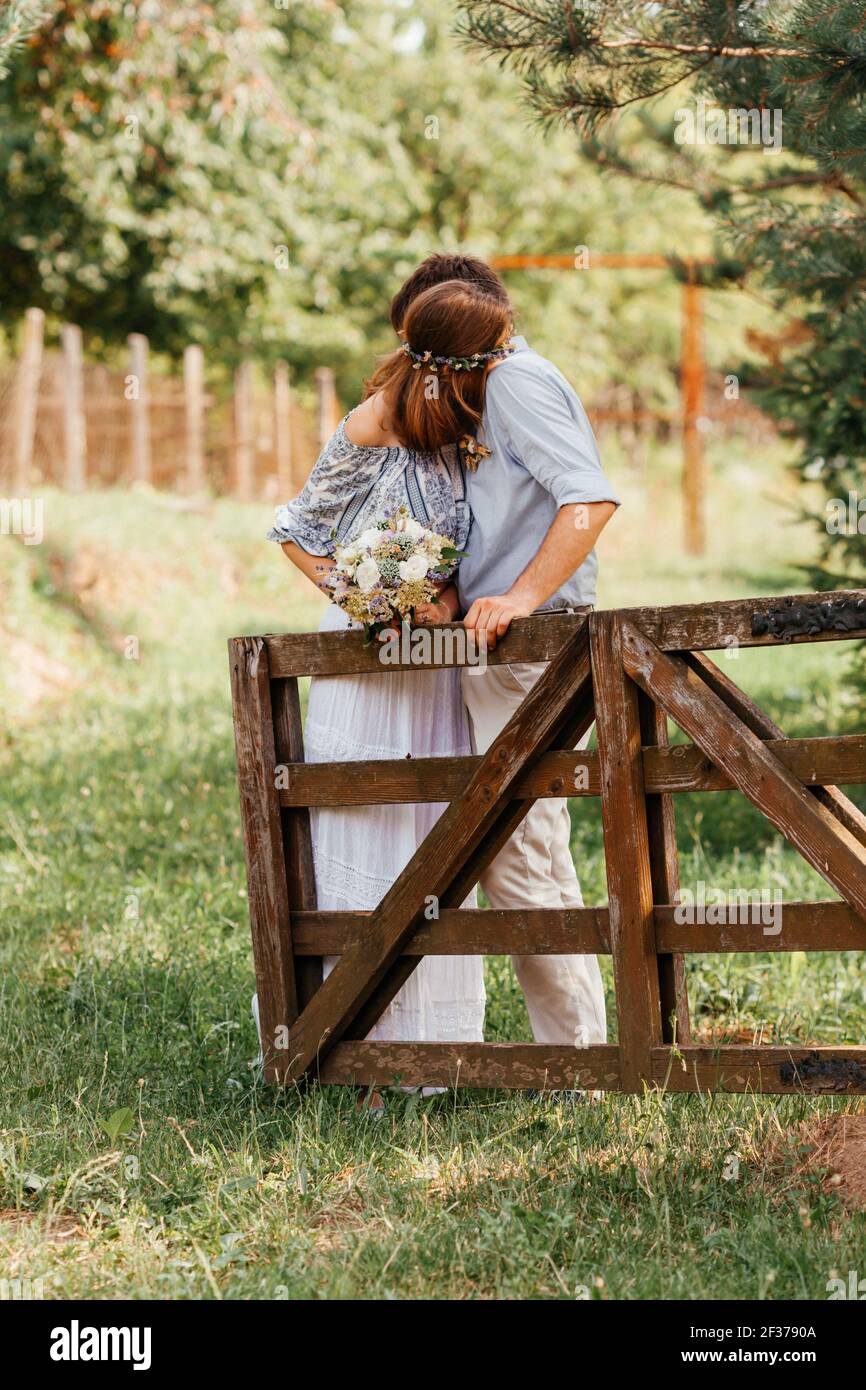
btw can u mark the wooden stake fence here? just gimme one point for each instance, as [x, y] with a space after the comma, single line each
[139, 401]
[630, 670]
[193, 383]
[26, 396]
[149, 427]
[74, 420]
[73, 424]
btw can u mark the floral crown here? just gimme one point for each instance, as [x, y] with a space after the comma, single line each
[457, 364]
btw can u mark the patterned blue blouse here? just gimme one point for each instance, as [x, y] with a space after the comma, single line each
[352, 486]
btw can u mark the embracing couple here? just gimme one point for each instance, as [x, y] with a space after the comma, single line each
[500, 457]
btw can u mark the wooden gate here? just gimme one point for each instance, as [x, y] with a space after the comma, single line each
[629, 670]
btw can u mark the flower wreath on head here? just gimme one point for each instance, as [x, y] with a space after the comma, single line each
[457, 364]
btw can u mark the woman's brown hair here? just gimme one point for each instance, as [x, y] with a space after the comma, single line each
[429, 408]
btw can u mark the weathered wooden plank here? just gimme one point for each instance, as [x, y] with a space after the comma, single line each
[678, 627]
[297, 840]
[813, 761]
[665, 875]
[714, 626]
[754, 718]
[627, 853]
[681, 768]
[770, 1070]
[537, 638]
[513, 1065]
[468, 931]
[766, 1070]
[436, 864]
[820, 926]
[263, 846]
[813, 830]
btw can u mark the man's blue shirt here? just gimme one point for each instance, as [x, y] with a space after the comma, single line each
[543, 455]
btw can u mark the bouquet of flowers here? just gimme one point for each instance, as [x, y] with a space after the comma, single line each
[387, 571]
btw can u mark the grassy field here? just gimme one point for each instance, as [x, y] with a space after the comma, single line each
[140, 1156]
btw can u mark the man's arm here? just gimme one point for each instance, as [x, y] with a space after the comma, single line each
[572, 535]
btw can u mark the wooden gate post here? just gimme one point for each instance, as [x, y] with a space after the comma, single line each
[297, 840]
[627, 854]
[263, 846]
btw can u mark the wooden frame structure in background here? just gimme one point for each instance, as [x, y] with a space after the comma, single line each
[693, 370]
[629, 670]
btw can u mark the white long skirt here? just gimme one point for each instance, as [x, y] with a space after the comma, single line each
[359, 851]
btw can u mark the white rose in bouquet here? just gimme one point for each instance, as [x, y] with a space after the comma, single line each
[415, 567]
[368, 540]
[367, 575]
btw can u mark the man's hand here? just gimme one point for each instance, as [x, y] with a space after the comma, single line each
[571, 536]
[491, 618]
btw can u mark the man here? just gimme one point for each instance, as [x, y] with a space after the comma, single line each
[539, 502]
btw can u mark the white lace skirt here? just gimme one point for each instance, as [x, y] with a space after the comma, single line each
[360, 850]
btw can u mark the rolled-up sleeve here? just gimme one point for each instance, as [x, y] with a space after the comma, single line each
[534, 410]
[310, 519]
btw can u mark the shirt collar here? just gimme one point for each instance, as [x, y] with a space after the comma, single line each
[520, 343]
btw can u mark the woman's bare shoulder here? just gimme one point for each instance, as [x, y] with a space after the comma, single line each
[364, 425]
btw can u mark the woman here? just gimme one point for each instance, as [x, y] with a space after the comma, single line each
[398, 448]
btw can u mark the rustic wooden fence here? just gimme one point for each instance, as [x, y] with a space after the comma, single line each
[629, 670]
[74, 424]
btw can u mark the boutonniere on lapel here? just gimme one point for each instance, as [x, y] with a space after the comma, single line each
[472, 452]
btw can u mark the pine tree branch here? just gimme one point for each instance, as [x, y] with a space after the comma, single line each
[833, 181]
[714, 50]
[18, 20]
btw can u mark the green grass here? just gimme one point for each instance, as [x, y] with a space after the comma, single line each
[126, 970]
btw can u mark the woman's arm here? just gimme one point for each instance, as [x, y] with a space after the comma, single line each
[315, 567]
[444, 610]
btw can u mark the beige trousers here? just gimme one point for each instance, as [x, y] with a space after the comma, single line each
[564, 994]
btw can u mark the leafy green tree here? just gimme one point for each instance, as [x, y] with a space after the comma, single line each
[795, 219]
[141, 170]
[259, 177]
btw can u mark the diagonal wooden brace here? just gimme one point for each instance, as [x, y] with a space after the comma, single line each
[813, 830]
[753, 716]
[432, 871]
